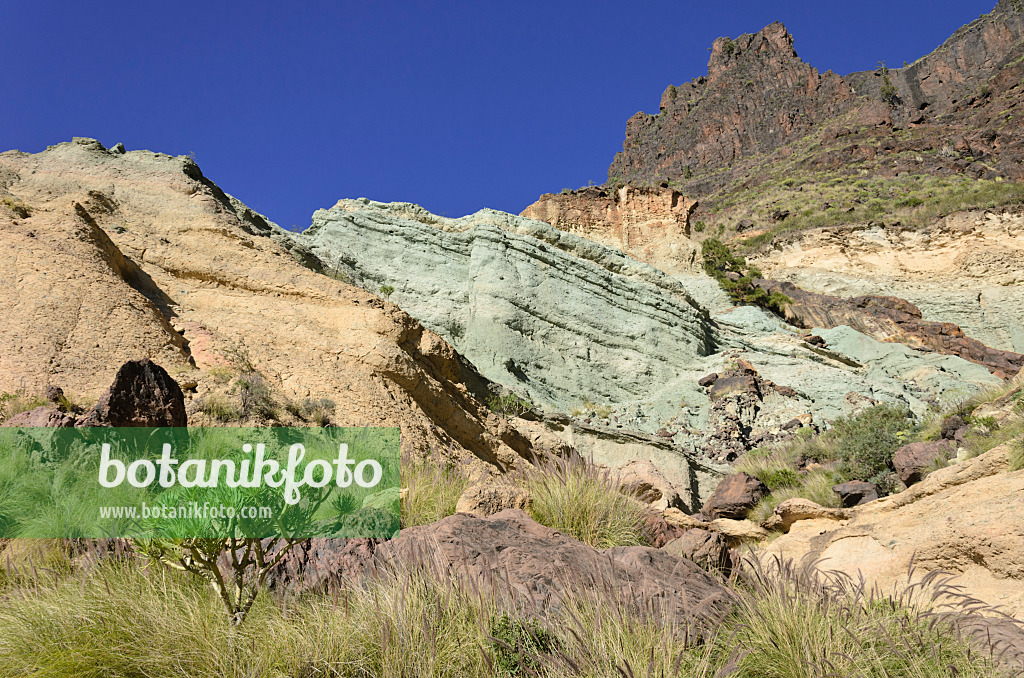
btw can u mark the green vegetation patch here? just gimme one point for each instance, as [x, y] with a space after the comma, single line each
[736, 277]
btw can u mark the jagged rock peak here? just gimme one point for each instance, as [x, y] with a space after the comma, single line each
[759, 97]
[757, 94]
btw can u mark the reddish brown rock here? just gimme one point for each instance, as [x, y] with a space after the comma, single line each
[891, 319]
[511, 551]
[659, 530]
[709, 380]
[912, 462]
[952, 424]
[735, 496]
[759, 100]
[709, 550]
[855, 493]
[747, 103]
[47, 417]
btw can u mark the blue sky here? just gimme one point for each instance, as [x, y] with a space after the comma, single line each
[452, 105]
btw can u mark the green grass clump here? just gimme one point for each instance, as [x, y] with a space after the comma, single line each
[22, 210]
[815, 486]
[509, 405]
[220, 408]
[799, 623]
[585, 502]
[516, 644]
[776, 469]
[119, 620]
[1017, 455]
[434, 490]
[19, 401]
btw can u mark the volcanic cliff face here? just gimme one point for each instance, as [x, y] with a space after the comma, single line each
[759, 98]
[756, 96]
[108, 256]
[577, 326]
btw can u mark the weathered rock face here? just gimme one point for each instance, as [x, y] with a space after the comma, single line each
[964, 269]
[759, 98]
[951, 78]
[891, 319]
[557, 317]
[486, 499]
[757, 95]
[708, 549]
[650, 224]
[794, 510]
[671, 472]
[578, 327]
[125, 256]
[966, 519]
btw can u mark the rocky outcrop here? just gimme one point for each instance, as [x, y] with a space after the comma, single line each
[738, 397]
[557, 318]
[578, 327]
[963, 269]
[759, 99]
[511, 551]
[966, 519]
[667, 473]
[758, 94]
[650, 224]
[126, 256]
[891, 319]
[143, 394]
[951, 78]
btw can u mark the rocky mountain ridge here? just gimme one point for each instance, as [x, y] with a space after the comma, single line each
[759, 99]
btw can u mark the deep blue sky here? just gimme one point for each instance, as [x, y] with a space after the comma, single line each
[456, 106]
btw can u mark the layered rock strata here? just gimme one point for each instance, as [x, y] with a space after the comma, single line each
[650, 224]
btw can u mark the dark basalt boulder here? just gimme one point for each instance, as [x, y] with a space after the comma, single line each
[142, 394]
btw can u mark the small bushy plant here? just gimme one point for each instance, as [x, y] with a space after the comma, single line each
[509, 405]
[866, 442]
[19, 401]
[736, 277]
[516, 645]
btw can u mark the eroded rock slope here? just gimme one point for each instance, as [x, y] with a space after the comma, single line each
[108, 256]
